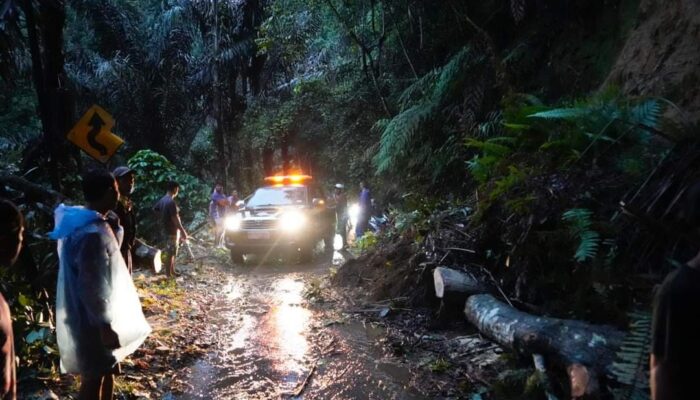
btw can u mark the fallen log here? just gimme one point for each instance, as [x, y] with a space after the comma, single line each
[147, 256]
[457, 285]
[585, 351]
[32, 191]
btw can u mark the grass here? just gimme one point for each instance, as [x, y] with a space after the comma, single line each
[439, 366]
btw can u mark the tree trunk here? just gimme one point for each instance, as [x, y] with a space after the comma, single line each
[147, 256]
[46, 48]
[456, 285]
[585, 351]
[32, 191]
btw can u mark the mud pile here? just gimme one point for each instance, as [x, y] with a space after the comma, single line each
[393, 271]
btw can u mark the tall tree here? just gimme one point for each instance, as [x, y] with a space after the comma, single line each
[44, 26]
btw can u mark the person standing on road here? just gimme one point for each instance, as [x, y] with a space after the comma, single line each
[173, 231]
[126, 178]
[11, 230]
[217, 212]
[365, 204]
[675, 349]
[99, 320]
[341, 213]
[233, 200]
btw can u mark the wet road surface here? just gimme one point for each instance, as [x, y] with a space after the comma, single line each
[269, 343]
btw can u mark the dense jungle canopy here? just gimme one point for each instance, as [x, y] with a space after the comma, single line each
[556, 136]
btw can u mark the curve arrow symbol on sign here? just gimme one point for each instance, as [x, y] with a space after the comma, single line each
[96, 122]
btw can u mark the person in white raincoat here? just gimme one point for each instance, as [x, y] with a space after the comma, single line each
[99, 320]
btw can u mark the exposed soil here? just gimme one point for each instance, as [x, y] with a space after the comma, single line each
[392, 272]
[662, 55]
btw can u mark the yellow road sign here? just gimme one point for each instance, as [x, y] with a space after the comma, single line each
[92, 134]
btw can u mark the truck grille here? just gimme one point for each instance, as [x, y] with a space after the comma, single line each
[259, 224]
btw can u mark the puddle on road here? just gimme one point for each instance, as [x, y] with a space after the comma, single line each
[266, 347]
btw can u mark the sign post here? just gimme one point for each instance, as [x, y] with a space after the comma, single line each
[93, 134]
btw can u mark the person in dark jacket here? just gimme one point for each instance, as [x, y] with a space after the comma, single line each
[126, 179]
[365, 203]
[11, 230]
[675, 350]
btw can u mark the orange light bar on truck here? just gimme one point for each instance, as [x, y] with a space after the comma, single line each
[287, 178]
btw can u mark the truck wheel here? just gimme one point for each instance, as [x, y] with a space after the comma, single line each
[236, 257]
[306, 254]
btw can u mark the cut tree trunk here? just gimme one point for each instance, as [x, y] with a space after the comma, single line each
[456, 285]
[584, 350]
[147, 256]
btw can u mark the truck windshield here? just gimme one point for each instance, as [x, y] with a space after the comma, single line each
[278, 196]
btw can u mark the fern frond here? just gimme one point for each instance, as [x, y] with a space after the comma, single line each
[494, 146]
[493, 126]
[418, 89]
[588, 247]
[517, 10]
[562, 113]
[399, 135]
[647, 114]
[580, 223]
[630, 368]
[422, 104]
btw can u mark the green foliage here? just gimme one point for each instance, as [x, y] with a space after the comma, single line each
[439, 366]
[19, 122]
[605, 118]
[367, 242]
[493, 151]
[33, 326]
[412, 137]
[580, 226]
[153, 171]
[506, 183]
[630, 368]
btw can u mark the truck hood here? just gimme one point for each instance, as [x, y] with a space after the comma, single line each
[270, 211]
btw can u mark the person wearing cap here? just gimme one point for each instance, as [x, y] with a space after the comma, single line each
[126, 179]
[341, 212]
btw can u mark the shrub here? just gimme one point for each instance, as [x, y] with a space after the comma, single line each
[153, 172]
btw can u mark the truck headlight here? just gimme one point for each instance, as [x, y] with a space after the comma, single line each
[233, 222]
[292, 221]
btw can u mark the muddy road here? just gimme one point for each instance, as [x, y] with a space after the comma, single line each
[269, 341]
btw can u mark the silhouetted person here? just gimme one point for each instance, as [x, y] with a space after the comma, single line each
[126, 179]
[171, 226]
[341, 213]
[99, 320]
[11, 230]
[365, 204]
[676, 323]
[217, 212]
